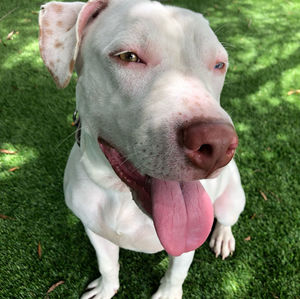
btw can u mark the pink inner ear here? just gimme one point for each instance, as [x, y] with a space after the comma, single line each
[91, 8]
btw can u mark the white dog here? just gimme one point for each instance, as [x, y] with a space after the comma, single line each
[154, 164]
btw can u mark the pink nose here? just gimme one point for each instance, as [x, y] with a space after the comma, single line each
[209, 145]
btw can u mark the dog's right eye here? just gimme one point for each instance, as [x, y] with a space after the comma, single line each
[128, 57]
[220, 66]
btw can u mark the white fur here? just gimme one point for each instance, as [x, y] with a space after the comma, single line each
[138, 109]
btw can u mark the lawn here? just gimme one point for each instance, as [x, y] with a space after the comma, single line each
[42, 243]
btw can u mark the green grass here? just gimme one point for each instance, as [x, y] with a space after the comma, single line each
[262, 38]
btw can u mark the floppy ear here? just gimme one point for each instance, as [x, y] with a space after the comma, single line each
[61, 29]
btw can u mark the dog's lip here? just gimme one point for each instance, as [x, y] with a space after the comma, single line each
[126, 171]
[132, 177]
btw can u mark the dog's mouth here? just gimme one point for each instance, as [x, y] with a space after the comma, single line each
[182, 212]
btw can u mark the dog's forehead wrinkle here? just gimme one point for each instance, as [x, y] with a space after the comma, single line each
[147, 20]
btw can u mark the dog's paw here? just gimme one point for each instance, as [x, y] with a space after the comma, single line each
[99, 290]
[165, 291]
[222, 241]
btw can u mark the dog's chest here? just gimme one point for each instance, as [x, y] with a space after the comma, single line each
[122, 222]
[111, 213]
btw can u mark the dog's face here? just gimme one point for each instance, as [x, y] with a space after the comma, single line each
[160, 67]
[150, 78]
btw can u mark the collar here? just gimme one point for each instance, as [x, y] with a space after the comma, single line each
[77, 124]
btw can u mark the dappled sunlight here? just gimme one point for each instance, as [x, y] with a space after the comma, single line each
[162, 266]
[29, 53]
[242, 127]
[22, 156]
[247, 48]
[267, 57]
[282, 137]
[267, 93]
[235, 283]
[289, 49]
[275, 91]
[290, 82]
[269, 155]
[72, 220]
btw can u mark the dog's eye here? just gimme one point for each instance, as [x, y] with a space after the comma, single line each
[219, 66]
[128, 57]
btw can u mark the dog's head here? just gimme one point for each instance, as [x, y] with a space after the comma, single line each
[149, 84]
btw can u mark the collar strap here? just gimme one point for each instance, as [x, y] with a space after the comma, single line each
[77, 124]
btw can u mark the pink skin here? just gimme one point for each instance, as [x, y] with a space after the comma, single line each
[220, 57]
[149, 60]
[90, 9]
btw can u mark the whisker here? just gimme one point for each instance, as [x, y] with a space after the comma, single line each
[127, 157]
[227, 45]
[69, 136]
[65, 139]
[220, 28]
[230, 82]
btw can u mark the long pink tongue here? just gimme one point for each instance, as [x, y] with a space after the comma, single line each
[182, 213]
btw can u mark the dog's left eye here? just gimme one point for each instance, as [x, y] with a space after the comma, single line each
[219, 66]
[128, 57]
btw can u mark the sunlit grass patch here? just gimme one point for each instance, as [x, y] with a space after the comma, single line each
[29, 53]
[236, 283]
[20, 156]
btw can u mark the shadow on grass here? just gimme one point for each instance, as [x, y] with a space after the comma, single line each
[35, 116]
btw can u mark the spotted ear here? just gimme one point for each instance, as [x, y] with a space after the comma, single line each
[61, 29]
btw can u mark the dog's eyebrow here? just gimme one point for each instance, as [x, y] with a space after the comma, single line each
[139, 37]
[118, 46]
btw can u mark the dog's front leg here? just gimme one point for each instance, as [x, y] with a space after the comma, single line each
[106, 286]
[222, 240]
[227, 207]
[171, 284]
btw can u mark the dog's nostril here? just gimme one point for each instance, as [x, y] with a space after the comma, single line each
[209, 145]
[206, 150]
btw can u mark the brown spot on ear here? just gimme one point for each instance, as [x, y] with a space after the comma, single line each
[45, 23]
[69, 29]
[58, 44]
[71, 65]
[57, 8]
[59, 24]
[51, 63]
[57, 60]
[48, 31]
